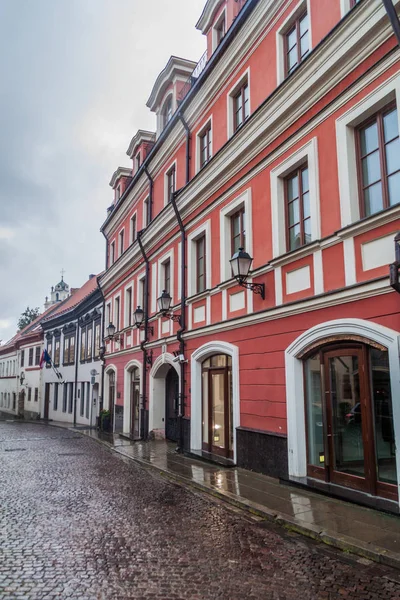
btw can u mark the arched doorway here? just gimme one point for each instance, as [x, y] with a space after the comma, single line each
[134, 428]
[217, 407]
[171, 405]
[349, 417]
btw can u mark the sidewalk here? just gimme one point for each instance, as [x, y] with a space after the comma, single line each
[363, 531]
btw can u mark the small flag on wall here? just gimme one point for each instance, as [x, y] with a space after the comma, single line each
[45, 359]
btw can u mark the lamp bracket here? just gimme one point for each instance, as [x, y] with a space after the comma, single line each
[172, 317]
[150, 328]
[256, 288]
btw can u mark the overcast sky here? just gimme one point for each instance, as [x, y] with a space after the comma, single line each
[75, 78]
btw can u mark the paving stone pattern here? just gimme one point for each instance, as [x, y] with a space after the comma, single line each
[78, 521]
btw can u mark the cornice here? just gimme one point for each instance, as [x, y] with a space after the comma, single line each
[141, 136]
[206, 18]
[120, 172]
[174, 66]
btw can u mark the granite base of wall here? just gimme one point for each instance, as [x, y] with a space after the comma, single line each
[186, 433]
[262, 452]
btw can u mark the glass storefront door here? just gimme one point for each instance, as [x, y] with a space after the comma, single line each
[350, 435]
[135, 402]
[217, 406]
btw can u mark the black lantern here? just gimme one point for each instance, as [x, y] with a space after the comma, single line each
[138, 315]
[241, 263]
[111, 331]
[164, 305]
[164, 302]
[395, 267]
[397, 247]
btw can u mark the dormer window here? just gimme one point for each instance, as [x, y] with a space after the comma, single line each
[118, 193]
[137, 161]
[219, 30]
[167, 111]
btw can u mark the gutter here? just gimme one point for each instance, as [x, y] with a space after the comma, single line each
[144, 421]
[150, 206]
[182, 323]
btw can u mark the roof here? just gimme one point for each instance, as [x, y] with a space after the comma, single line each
[141, 136]
[175, 65]
[120, 172]
[32, 328]
[73, 301]
[61, 285]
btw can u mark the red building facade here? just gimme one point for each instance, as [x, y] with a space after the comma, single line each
[284, 141]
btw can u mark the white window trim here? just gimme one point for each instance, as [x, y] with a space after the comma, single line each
[141, 277]
[138, 154]
[109, 315]
[244, 199]
[344, 7]
[160, 117]
[307, 153]
[204, 229]
[144, 212]
[167, 170]
[230, 99]
[130, 286]
[208, 124]
[117, 297]
[221, 17]
[130, 226]
[346, 144]
[168, 256]
[112, 253]
[120, 249]
[304, 5]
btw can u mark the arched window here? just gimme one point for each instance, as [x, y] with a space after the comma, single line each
[167, 111]
[217, 405]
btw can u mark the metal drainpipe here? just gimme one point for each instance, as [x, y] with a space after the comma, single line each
[144, 421]
[393, 18]
[100, 399]
[150, 207]
[188, 137]
[76, 368]
[182, 328]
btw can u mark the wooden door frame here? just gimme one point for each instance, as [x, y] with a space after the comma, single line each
[210, 447]
[134, 386]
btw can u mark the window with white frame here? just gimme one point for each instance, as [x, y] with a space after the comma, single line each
[170, 183]
[128, 306]
[219, 30]
[204, 146]
[121, 241]
[293, 40]
[108, 314]
[146, 212]
[367, 138]
[166, 276]
[295, 200]
[133, 231]
[235, 229]
[117, 321]
[239, 107]
[137, 162]
[166, 112]
[141, 289]
[112, 253]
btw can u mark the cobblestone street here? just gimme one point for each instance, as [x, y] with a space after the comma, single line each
[77, 521]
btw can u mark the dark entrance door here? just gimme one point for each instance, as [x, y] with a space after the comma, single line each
[46, 401]
[111, 398]
[135, 398]
[171, 405]
[350, 434]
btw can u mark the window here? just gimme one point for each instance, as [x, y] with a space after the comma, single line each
[118, 193]
[56, 352]
[22, 358]
[297, 43]
[108, 314]
[82, 410]
[298, 208]
[220, 31]
[65, 392]
[97, 339]
[89, 343]
[205, 146]
[170, 183]
[55, 400]
[167, 112]
[116, 314]
[241, 106]
[30, 361]
[83, 344]
[87, 399]
[36, 394]
[112, 253]
[128, 308]
[141, 292]
[69, 350]
[167, 276]
[49, 350]
[133, 228]
[29, 394]
[379, 162]
[121, 242]
[146, 212]
[201, 264]
[238, 231]
[137, 161]
[70, 397]
[37, 355]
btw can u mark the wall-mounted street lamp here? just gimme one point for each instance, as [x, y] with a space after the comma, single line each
[241, 263]
[138, 316]
[395, 267]
[112, 335]
[164, 306]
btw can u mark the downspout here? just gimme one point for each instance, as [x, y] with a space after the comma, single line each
[393, 18]
[144, 423]
[103, 366]
[182, 327]
[150, 207]
[78, 337]
[188, 138]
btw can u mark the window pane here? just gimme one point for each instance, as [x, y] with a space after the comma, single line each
[307, 231]
[303, 25]
[391, 125]
[383, 416]
[306, 205]
[294, 237]
[293, 188]
[205, 404]
[315, 429]
[294, 214]
[292, 58]
[393, 156]
[394, 189]
[291, 39]
[373, 200]
[304, 180]
[369, 139]
[304, 45]
[371, 169]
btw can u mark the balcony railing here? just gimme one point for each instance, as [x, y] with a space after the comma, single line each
[199, 68]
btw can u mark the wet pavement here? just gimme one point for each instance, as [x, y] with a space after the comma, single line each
[78, 521]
